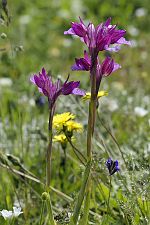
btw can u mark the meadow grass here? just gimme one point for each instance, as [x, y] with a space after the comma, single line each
[121, 131]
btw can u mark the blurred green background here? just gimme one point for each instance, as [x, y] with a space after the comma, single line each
[37, 29]
[31, 36]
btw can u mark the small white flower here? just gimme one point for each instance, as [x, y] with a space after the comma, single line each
[140, 12]
[5, 81]
[32, 102]
[25, 19]
[139, 111]
[17, 211]
[133, 31]
[112, 105]
[10, 214]
[6, 214]
[134, 43]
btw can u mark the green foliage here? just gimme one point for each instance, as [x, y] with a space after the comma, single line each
[33, 39]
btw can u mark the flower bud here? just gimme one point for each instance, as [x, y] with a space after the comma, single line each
[19, 48]
[44, 196]
[3, 36]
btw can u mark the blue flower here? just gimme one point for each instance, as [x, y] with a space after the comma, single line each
[113, 166]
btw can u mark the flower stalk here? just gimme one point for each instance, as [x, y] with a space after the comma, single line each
[84, 219]
[49, 148]
[108, 208]
[92, 108]
[75, 216]
[42, 212]
[50, 212]
[90, 132]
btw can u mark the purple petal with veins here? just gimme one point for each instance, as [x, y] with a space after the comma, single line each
[78, 91]
[115, 48]
[122, 40]
[116, 67]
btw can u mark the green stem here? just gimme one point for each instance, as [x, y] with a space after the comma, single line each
[7, 222]
[76, 150]
[114, 139]
[49, 149]
[48, 164]
[91, 123]
[50, 212]
[74, 218]
[109, 197]
[12, 222]
[84, 219]
[42, 211]
[92, 109]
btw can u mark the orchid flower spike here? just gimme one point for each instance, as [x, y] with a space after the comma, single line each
[99, 38]
[53, 90]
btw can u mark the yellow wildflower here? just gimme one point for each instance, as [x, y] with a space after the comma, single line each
[73, 126]
[100, 94]
[64, 123]
[59, 120]
[60, 138]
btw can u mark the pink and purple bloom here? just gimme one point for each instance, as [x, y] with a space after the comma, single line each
[102, 37]
[99, 38]
[112, 166]
[103, 69]
[53, 90]
[82, 63]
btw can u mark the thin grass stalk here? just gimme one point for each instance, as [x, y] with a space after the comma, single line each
[108, 208]
[91, 124]
[74, 218]
[42, 212]
[84, 219]
[76, 151]
[114, 139]
[49, 149]
[50, 212]
[92, 175]
[92, 108]
[48, 164]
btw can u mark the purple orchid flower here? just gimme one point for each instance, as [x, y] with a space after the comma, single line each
[54, 90]
[112, 166]
[104, 69]
[99, 38]
[82, 63]
[108, 66]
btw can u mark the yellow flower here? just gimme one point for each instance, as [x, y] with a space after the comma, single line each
[73, 126]
[64, 123]
[59, 120]
[60, 138]
[100, 94]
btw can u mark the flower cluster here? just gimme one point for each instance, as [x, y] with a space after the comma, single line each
[53, 90]
[103, 37]
[10, 214]
[99, 38]
[65, 123]
[60, 138]
[60, 120]
[113, 166]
